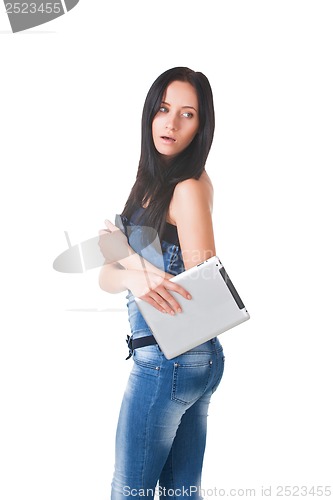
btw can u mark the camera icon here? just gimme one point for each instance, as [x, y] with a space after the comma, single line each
[26, 15]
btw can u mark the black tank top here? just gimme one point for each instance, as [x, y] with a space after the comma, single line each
[170, 233]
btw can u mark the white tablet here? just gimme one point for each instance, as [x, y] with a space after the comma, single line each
[214, 308]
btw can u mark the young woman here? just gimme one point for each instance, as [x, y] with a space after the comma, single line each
[161, 431]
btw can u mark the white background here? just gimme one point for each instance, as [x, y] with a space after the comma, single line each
[72, 93]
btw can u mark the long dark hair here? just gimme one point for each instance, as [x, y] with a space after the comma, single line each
[156, 180]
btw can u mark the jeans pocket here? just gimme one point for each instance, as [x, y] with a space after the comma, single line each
[190, 381]
[147, 360]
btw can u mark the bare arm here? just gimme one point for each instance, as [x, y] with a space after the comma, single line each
[116, 249]
[191, 209]
[135, 273]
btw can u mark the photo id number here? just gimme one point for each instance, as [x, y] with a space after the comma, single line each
[301, 491]
[32, 8]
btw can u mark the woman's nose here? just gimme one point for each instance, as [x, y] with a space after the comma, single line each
[171, 123]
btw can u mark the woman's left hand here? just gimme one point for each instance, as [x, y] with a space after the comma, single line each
[113, 243]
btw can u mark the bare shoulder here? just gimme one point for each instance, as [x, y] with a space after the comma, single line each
[202, 185]
[189, 193]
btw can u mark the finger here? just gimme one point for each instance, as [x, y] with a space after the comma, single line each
[153, 303]
[104, 243]
[110, 226]
[170, 285]
[170, 299]
[163, 304]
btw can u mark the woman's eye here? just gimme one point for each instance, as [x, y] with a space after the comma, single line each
[163, 109]
[188, 114]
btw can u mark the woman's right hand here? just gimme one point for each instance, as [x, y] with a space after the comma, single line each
[154, 289]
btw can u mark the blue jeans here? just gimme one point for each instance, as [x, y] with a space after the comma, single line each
[161, 433]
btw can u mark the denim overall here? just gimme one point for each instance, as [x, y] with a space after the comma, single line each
[163, 254]
[161, 432]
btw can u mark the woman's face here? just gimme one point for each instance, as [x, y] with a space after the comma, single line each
[177, 121]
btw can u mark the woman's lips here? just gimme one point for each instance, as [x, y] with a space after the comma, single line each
[168, 140]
